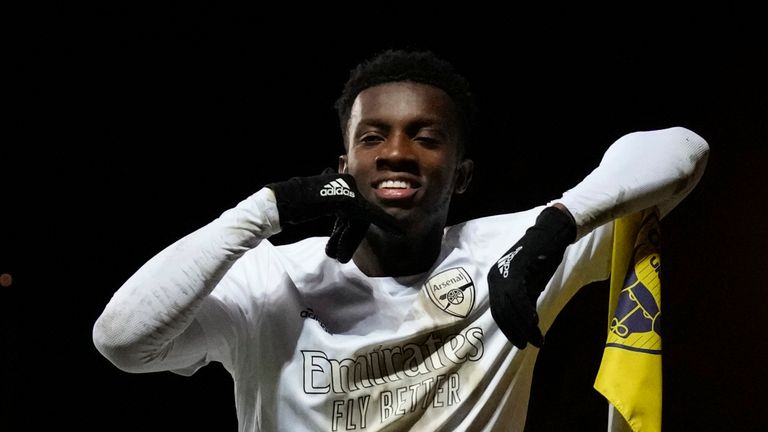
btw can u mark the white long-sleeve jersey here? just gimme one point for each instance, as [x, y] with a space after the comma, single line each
[316, 345]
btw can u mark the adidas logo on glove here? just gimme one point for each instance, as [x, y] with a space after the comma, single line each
[337, 187]
[503, 263]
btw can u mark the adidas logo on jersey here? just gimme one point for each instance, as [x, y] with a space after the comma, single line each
[309, 313]
[337, 187]
[503, 263]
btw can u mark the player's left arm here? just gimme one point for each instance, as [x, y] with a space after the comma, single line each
[639, 171]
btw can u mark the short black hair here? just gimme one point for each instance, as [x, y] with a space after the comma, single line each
[423, 67]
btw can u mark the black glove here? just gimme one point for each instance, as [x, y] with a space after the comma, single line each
[520, 275]
[301, 199]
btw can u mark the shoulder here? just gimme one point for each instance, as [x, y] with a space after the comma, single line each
[492, 234]
[269, 264]
[494, 226]
[305, 261]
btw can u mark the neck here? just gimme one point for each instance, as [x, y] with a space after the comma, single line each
[384, 255]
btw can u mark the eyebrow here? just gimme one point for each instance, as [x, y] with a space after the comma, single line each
[380, 124]
[419, 123]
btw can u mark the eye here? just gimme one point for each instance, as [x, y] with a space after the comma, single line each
[427, 140]
[429, 136]
[371, 139]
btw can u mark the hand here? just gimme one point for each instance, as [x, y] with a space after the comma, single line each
[520, 275]
[301, 199]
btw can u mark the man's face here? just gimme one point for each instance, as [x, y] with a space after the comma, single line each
[403, 150]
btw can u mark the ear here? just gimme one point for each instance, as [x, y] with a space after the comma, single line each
[463, 175]
[343, 164]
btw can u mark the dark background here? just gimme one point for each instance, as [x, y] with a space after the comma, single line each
[130, 127]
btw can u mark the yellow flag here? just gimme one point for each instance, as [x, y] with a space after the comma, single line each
[630, 372]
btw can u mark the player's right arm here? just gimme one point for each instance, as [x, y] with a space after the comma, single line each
[149, 324]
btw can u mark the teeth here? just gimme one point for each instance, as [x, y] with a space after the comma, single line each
[394, 184]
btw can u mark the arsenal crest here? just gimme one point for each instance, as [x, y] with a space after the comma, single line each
[452, 291]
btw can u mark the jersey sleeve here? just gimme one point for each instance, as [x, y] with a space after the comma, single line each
[640, 170]
[226, 323]
[150, 322]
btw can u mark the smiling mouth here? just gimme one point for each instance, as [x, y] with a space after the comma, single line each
[395, 190]
[395, 184]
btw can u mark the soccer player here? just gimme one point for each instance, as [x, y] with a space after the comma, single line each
[394, 321]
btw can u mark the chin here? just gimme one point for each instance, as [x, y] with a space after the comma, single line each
[403, 214]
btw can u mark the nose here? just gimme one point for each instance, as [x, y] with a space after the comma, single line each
[398, 153]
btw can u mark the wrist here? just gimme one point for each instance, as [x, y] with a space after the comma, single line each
[565, 210]
[559, 221]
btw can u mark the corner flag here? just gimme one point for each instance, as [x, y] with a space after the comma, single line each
[630, 372]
